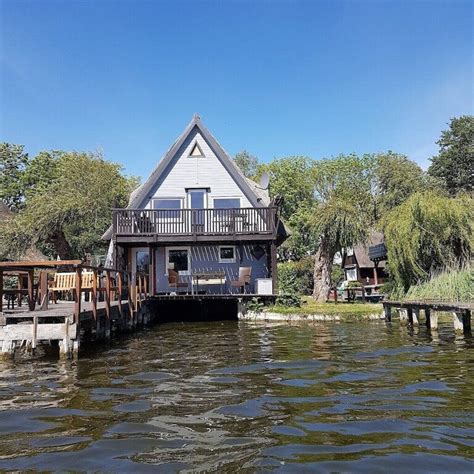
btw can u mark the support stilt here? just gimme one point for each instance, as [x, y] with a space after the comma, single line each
[458, 322]
[403, 317]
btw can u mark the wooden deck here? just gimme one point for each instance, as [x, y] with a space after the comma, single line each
[409, 312]
[115, 300]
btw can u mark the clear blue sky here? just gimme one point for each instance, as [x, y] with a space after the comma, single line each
[277, 78]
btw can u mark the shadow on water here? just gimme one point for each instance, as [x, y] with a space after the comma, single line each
[231, 395]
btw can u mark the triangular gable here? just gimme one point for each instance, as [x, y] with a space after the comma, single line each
[143, 192]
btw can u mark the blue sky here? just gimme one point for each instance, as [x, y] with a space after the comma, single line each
[277, 78]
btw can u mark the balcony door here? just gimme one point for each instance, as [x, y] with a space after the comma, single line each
[197, 201]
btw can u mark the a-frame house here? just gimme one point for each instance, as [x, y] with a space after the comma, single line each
[198, 225]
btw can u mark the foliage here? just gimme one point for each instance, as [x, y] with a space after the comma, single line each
[288, 300]
[342, 216]
[337, 274]
[451, 285]
[13, 161]
[255, 305]
[454, 164]
[395, 178]
[297, 276]
[247, 163]
[68, 199]
[290, 178]
[427, 233]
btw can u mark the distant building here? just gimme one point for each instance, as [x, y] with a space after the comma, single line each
[366, 263]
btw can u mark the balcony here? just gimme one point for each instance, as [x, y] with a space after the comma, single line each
[155, 225]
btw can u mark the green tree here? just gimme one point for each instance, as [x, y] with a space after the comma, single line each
[290, 178]
[427, 233]
[68, 212]
[247, 163]
[454, 164]
[342, 216]
[395, 178]
[13, 161]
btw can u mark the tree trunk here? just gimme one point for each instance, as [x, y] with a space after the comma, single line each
[61, 245]
[322, 272]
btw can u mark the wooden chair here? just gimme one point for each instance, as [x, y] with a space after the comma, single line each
[65, 282]
[174, 283]
[244, 279]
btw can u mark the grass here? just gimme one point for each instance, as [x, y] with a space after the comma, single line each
[310, 306]
[452, 285]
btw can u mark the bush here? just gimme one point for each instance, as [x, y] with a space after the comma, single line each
[292, 300]
[296, 277]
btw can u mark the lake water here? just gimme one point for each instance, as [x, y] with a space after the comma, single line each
[233, 396]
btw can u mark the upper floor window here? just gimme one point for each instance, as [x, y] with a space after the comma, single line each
[196, 151]
[168, 204]
[226, 203]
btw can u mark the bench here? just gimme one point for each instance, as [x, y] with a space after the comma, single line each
[67, 281]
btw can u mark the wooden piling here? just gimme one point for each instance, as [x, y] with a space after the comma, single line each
[458, 321]
[415, 316]
[403, 316]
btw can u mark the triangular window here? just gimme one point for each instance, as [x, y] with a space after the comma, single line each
[196, 151]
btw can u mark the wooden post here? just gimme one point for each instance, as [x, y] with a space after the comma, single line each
[19, 287]
[387, 310]
[458, 321]
[403, 317]
[43, 290]
[431, 319]
[1, 291]
[427, 316]
[151, 269]
[77, 301]
[130, 296]
[108, 286]
[274, 270]
[35, 332]
[415, 318]
[466, 320]
[31, 298]
[119, 289]
[94, 294]
[376, 277]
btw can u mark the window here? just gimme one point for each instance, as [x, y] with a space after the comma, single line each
[351, 274]
[142, 261]
[177, 259]
[167, 205]
[226, 203]
[196, 151]
[227, 254]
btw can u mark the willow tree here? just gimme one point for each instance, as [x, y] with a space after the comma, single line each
[66, 214]
[343, 214]
[428, 233]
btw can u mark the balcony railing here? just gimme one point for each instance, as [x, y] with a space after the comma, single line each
[169, 222]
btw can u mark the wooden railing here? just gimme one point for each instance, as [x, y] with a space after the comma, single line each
[110, 284]
[232, 221]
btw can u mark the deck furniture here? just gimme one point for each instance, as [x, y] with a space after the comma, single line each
[244, 279]
[209, 278]
[173, 281]
[65, 282]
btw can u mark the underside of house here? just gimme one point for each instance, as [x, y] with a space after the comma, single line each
[198, 225]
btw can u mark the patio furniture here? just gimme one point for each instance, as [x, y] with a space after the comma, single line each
[209, 278]
[244, 279]
[174, 283]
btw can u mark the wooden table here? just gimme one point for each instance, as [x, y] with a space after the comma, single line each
[208, 278]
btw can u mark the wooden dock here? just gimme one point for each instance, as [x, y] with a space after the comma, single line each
[409, 312]
[102, 300]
